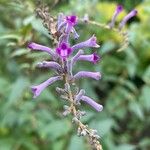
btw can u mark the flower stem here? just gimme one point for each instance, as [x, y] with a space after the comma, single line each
[92, 140]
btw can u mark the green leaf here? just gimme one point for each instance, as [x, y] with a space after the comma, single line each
[103, 126]
[144, 143]
[136, 108]
[146, 76]
[55, 129]
[6, 144]
[59, 144]
[125, 147]
[107, 47]
[19, 52]
[10, 36]
[145, 96]
[17, 90]
[131, 61]
[77, 143]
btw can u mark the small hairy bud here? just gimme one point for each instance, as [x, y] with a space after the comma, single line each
[83, 132]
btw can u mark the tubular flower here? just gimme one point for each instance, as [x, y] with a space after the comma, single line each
[36, 90]
[38, 47]
[49, 64]
[89, 43]
[92, 103]
[127, 17]
[67, 23]
[94, 58]
[118, 10]
[87, 74]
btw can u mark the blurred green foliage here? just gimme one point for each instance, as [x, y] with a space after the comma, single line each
[124, 90]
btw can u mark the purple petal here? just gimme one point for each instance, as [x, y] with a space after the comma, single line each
[61, 21]
[38, 47]
[72, 20]
[76, 35]
[36, 90]
[116, 13]
[127, 17]
[76, 57]
[63, 50]
[89, 43]
[73, 61]
[61, 25]
[96, 58]
[91, 58]
[64, 38]
[119, 9]
[49, 64]
[87, 74]
[92, 103]
[60, 18]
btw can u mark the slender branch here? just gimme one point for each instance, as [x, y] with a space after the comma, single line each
[123, 34]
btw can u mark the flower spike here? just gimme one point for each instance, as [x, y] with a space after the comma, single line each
[62, 63]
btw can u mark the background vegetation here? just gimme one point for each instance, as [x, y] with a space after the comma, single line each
[124, 90]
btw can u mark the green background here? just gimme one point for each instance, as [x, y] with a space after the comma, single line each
[124, 90]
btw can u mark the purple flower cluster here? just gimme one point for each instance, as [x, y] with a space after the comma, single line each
[62, 60]
[118, 10]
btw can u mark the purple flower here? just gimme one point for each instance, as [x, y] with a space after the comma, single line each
[36, 90]
[87, 74]
[71, 22]
[35, 46]
[127, 17]
[92, 103]
[63, 50]
[63, 65]
[76, 35]
[89, 43]
[49, 64]
[60, 21]
[119, 9]
[67, 23]
[92, 58]
[116, 13]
